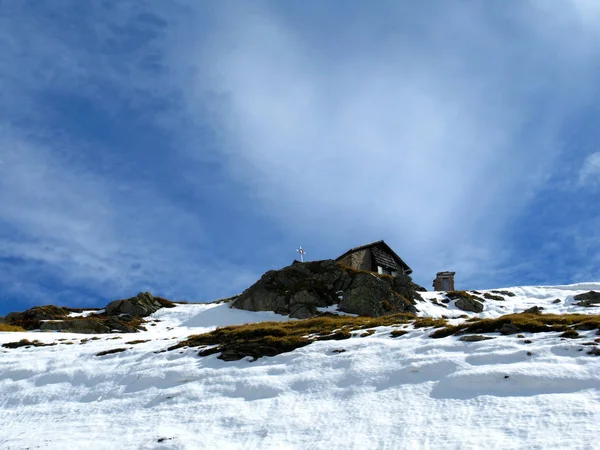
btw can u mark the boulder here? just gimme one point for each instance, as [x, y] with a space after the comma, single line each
[31, 319]
[122, 316]
[534, 310]
[469, 304]
[588, 299]
[509, 328]
[298, 290]
[141, 305]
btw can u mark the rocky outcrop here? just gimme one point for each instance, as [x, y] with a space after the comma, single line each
[298, 290]
[84, 325]
[123, 316]
[588, 299]
[469, 304]
[32, 318]
[466, 302]
[141, 305]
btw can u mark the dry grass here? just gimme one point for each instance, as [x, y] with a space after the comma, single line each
[7, 327]
[526, 322]
[398, 333]
[26, 343]
[272, 338]
[425, 322]
[110, 352]
[455, 295]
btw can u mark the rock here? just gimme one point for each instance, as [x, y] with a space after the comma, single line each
[556, 301]
[298, 290]
[505, 293]
[31, 319]
[121, 315]
[418, 288]
[509, 328]
[85, 326]
[364, 297]
[490, 296]
[534, 310]
[142, 305]
[475, 338]
[469, 304]
[588, 299]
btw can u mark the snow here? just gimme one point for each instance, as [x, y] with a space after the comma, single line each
[411, 392]
[86, 313]
[525, 297]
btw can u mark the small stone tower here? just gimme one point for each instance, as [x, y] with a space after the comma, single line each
[444, 281]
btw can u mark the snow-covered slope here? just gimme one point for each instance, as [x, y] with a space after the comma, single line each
[524, 297]
[372, 392]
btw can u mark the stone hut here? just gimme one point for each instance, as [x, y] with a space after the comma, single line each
[375, 257]
[444, 281]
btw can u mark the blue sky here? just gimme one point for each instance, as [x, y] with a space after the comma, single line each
[186, 147]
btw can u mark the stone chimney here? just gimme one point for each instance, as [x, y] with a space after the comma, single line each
[444, 281]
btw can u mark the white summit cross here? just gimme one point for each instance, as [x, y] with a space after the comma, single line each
[302, 253]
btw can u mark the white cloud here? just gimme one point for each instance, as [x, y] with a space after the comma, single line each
[434, 139]
[430, 127]
[66, 221]
[590, 171]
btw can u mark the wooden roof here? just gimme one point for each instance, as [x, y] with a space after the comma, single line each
[383, 255]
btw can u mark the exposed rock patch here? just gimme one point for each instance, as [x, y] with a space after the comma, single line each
[505, 293]
[588, 299]
[509, 328]
[123, 316]
[298, 290]
[466, 301]
[141, 305]
[490, 296]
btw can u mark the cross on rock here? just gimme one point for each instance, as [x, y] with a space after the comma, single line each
[302, 253]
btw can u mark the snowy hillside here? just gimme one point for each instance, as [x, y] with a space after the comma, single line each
[373, 392]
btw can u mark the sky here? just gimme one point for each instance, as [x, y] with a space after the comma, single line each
[186, 147]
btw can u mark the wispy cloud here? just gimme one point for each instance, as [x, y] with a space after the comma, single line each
[590, 171]
[434, 138]
[79, 219]
[125, 127]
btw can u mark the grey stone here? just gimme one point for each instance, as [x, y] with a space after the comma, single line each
[588, 299]
[298, 290]
[534, 310]
[141, 305]
[509, 328]
[469, 304]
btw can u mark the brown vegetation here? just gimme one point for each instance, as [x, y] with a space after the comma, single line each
[7, 327]
[272, 338]
[110, 352]
[524, 322]
[26, 343]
